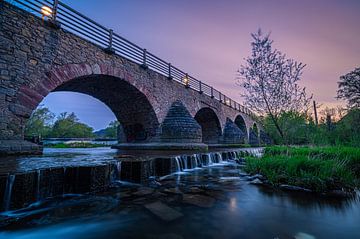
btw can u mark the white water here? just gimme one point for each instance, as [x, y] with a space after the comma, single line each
[8, 191]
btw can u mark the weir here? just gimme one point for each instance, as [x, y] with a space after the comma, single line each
[25, 188]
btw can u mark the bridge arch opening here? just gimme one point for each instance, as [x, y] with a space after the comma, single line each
[240, 122]
[210, 125]
[132, 109]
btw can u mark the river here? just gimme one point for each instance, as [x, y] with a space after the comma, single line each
[215, 201]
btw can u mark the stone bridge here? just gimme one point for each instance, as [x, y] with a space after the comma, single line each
[37, 58]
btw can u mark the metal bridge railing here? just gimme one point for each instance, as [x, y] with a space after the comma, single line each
[77, 23]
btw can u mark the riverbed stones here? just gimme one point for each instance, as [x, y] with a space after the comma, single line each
[199, 200]
[163, 211]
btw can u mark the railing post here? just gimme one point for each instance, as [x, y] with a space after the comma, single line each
[109, 49]
[220, 97]
[144, 65]
[52, 20]
[212, 92]
[169, 72]
[200, 88]
[54, 10]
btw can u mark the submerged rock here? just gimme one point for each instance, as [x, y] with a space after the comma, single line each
[173, 190]
[199, 200]
[293, 188]
[163, 211]
[143, 191]
[340, 193]
[302, 235]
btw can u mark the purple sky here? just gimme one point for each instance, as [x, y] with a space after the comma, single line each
[210, 39]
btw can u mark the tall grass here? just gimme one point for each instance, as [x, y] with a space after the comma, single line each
[319, 169]
[350, 156]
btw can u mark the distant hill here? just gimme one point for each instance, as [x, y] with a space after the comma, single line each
[100, 133]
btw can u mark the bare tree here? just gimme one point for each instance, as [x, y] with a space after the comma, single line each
[271, 81]
[349, 88]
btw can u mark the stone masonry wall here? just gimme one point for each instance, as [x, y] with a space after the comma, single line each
[36, 59]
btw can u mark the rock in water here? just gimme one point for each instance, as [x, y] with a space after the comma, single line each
[302, 235]
[293, 188]
[199, 200]
[143, 191]
[256, 181]
[163, 211]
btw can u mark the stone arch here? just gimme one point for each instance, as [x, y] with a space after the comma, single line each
[240, 122]
[113, 87]
[210, 125]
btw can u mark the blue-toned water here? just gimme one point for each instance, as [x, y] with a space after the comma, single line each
[208, 202]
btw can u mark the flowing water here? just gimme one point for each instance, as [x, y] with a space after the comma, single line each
[205, 196]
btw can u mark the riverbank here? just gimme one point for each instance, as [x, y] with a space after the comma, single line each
[75, 145]
[326, 170]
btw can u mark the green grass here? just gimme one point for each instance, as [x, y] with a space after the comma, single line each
[320, 169]
[75, 145]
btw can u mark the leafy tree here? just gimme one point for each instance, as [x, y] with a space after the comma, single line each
[296, 128]
[68, 126]
[348, 129]
[349, 88]
[111, 130]
[271, 82]
[40, 122]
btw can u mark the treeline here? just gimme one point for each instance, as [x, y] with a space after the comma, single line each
[300, 129]
[44, 123]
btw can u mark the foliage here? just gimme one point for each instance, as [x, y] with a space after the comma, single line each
[40, 122]
[318, 168]
[295, 128]
[271, 81]
[349, 88]
[68, 126]
[111, 130]
[299, 129]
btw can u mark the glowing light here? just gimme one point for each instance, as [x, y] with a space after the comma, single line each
[186, 80]
[46, 11]
[227, 102]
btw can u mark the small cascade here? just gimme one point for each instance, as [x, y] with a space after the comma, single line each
[177, 162]
[38, 173]
[185, 162]
[8, 191]
[118, 170]
[219, 158]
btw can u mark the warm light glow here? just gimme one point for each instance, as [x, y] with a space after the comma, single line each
[46, 11]
[186, 80]
[227, 102]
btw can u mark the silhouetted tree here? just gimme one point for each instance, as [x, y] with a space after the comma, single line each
[349, 88]
[270, 81]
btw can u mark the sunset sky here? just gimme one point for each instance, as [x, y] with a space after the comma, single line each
[209, 39]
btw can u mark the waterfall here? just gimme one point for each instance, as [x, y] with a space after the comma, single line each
[8, 191]
[177, 161]
[118, 170]
[184, 160]
[38, 185]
